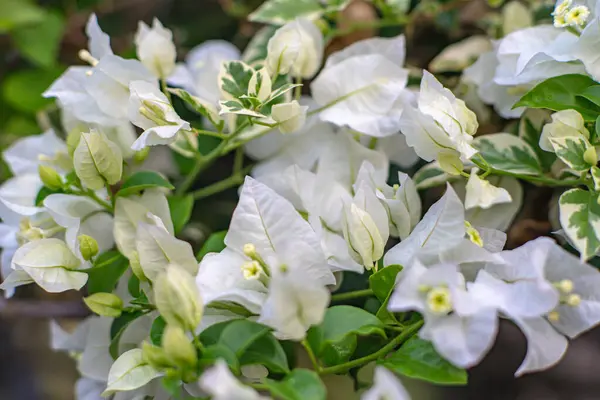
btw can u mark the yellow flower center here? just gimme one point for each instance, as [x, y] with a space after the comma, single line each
[439, 300]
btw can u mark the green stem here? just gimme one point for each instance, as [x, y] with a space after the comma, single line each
[298, 89]
[165, 89]
[352, 295]
[404, 336]
[209, 133]
[227, 183]
[311, 355]
[90, 193]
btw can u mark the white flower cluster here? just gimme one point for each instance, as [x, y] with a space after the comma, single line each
[318, 206]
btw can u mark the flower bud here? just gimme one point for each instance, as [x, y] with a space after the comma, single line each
[178, 348]
[177, 298]
[49, 177]
[362, 235]
[136, 266]
[155, 48]
[97, 160]
[290, 116]
[590, 156]
[450, 162]
[104, 304]
[249, 250]
[155, 356]
[141, 155]
[295, 48]
[88, 246]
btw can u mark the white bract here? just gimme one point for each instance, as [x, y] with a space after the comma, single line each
[289, 116]
[155, 48]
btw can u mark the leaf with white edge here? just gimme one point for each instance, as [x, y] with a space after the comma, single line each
[143, 180]
[300, 384]
[278, 12]
[596, 177]
[431, 175]
[235, 107]
[580, 219]
[418, 359]
[281, 91]
[256, 51]
[234, 78]
[531, 134]
[508, 153]
[202, 107]
[570, 150]
[129, 372]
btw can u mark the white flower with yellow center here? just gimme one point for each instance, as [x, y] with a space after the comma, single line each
[577, 16]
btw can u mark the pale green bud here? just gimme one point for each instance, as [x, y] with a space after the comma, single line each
[105, 304]
[97, 160]
[177, 298]
[88, 246]
[141, 155]
[136, 266]
[590, 156]
[49, 177]
[178, 348]
[155, 356]
[450, 162]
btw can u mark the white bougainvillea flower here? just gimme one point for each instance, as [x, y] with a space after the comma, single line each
[395, 148]
[564, 123]
[155, 48]
[199, 74]
[220, 383]
[129, 372]
[81, 216]
[289, 116]
[363, 86]
[157, 248]
[461, 331]
[585, 47]
[385, 386]
[481, 193]
[150, 110]
[295, 48]
[51, 264]
[131, 210]
[460, 55]
[365, 226]
[25, 155]
[294, 304]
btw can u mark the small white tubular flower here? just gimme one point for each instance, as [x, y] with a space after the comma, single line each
[366, 226]
[51, 264]
[97, 160]
[177, 298]
[155, 48]
[130, 211]
[290, 116]
[129, 372]
[564, 123]
[461, 329]
[385, 386]
[220, 383]
[294, 304]
[442, 228]
[295, 48]
[157, 248]
[481, 193]
[150, 110]
[577, 16]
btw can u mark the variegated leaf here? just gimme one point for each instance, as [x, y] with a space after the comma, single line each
[506, 152]
[279, 12]
[202, 107]
[235, 107]
[570, 150]
[580, 219]
[256, 50]
[234, 78]
[431, 175]
[596, 177]
[280, 91]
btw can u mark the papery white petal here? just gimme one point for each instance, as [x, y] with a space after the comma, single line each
[220, 383]
[98, 41]
[545, 346]
[386, 385]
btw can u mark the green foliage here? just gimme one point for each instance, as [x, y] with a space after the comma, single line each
[300, 384]
[118, 327]
[383, 281]
[143, 180]
[279, 12]
[418, 359]
[181, 210]
[580, 218]
[562, 93]
[23, 89]
[108, 268]
[509, 153]
[214, 244]
[39, 43]
[157, 330]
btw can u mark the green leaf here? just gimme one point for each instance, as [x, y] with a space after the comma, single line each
[237, 108]
[256, 50]
[418, 359]
[213, 352]
[143, 180]
[509, 153]
[562, 93]
[531, 135]
[596, 177]
[383, 281]
[17, 13]
[266, 351]
[239, 334]
[300, 384]
[202, 107]
[118, 327]
[214, 244]
[157, 330]
[592, 93]
[331, 353]
[570, 150]
[279, 12]
[431, 175]
[181, 210]
[580, 219]
[342, 321]
[43, 193]
[40, 43]
[235, 78]
[108, 268]
[23, 89]
[133, 286]
[211, 335]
